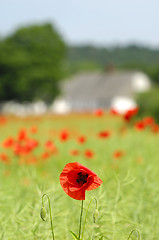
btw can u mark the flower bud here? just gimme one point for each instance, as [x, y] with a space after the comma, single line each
[95, 215]
[43, 214]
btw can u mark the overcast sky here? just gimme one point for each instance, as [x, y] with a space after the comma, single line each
[100, 22]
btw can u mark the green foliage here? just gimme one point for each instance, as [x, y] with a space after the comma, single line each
[74, 235]
[132, 55]
[149, 103]
[31, 63]
[155, 75]
[126, 57]
[138, 234]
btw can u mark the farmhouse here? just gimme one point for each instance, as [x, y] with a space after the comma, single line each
[89, 91]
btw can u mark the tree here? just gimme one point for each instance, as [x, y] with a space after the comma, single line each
[31, 63]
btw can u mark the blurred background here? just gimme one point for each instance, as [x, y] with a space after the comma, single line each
[64, 56]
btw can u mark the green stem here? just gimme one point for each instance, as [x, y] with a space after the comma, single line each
[79, 235]
[50, 213]
[134, 230]
[87, 214]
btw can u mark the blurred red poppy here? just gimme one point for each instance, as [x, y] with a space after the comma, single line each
[8, 142]
[4, 158]
[74, 152]
[49, 144]
[81, 139]
[130, 113]
[22, 135]
[25, 147]
[99, 112]
[104, 134]
[45, 155]
[89, 154]
[3, 120]
[118, 154]
[32, 144]
[139, 125]
[75, 179]
[64, 135]
[33, 129]
[127, 114]
[148, 121]
[155, 128]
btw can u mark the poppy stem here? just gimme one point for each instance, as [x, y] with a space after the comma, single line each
[96, 207]
[51, 223]
[134, 230]
[79, 235]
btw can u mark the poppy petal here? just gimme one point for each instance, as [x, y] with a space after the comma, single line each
[95, 184]
[78, 195]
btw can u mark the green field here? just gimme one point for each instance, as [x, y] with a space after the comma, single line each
[128, 198]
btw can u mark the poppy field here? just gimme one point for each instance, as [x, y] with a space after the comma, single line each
[99, 171]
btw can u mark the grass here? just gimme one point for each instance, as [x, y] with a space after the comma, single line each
[128, 198]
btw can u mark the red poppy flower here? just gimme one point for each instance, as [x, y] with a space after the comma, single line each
[45, 155]
[26, 147]
[3, 120]
[50, 146]
[8, 142]
[148, 121]
[33, 129]
[99, 112]
[155, 128]
[89, 153]
[127, 114]
[104, 134]
[75, 179]
[130, 113]
[118, 154]
[81, 139]
[4, 158]
[140, 125]
[22, 135]
[32, 144]
[74, 152]
[64, 135]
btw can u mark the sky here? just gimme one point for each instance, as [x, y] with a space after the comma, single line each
[98, 22]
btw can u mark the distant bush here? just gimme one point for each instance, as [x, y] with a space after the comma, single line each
[149, 103]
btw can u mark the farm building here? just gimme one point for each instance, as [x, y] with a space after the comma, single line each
[89, 91]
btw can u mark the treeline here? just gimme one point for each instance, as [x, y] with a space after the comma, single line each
[131, 55]
[128, 57]
[34, 59]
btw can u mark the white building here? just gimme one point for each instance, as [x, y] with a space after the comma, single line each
[89, 91]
